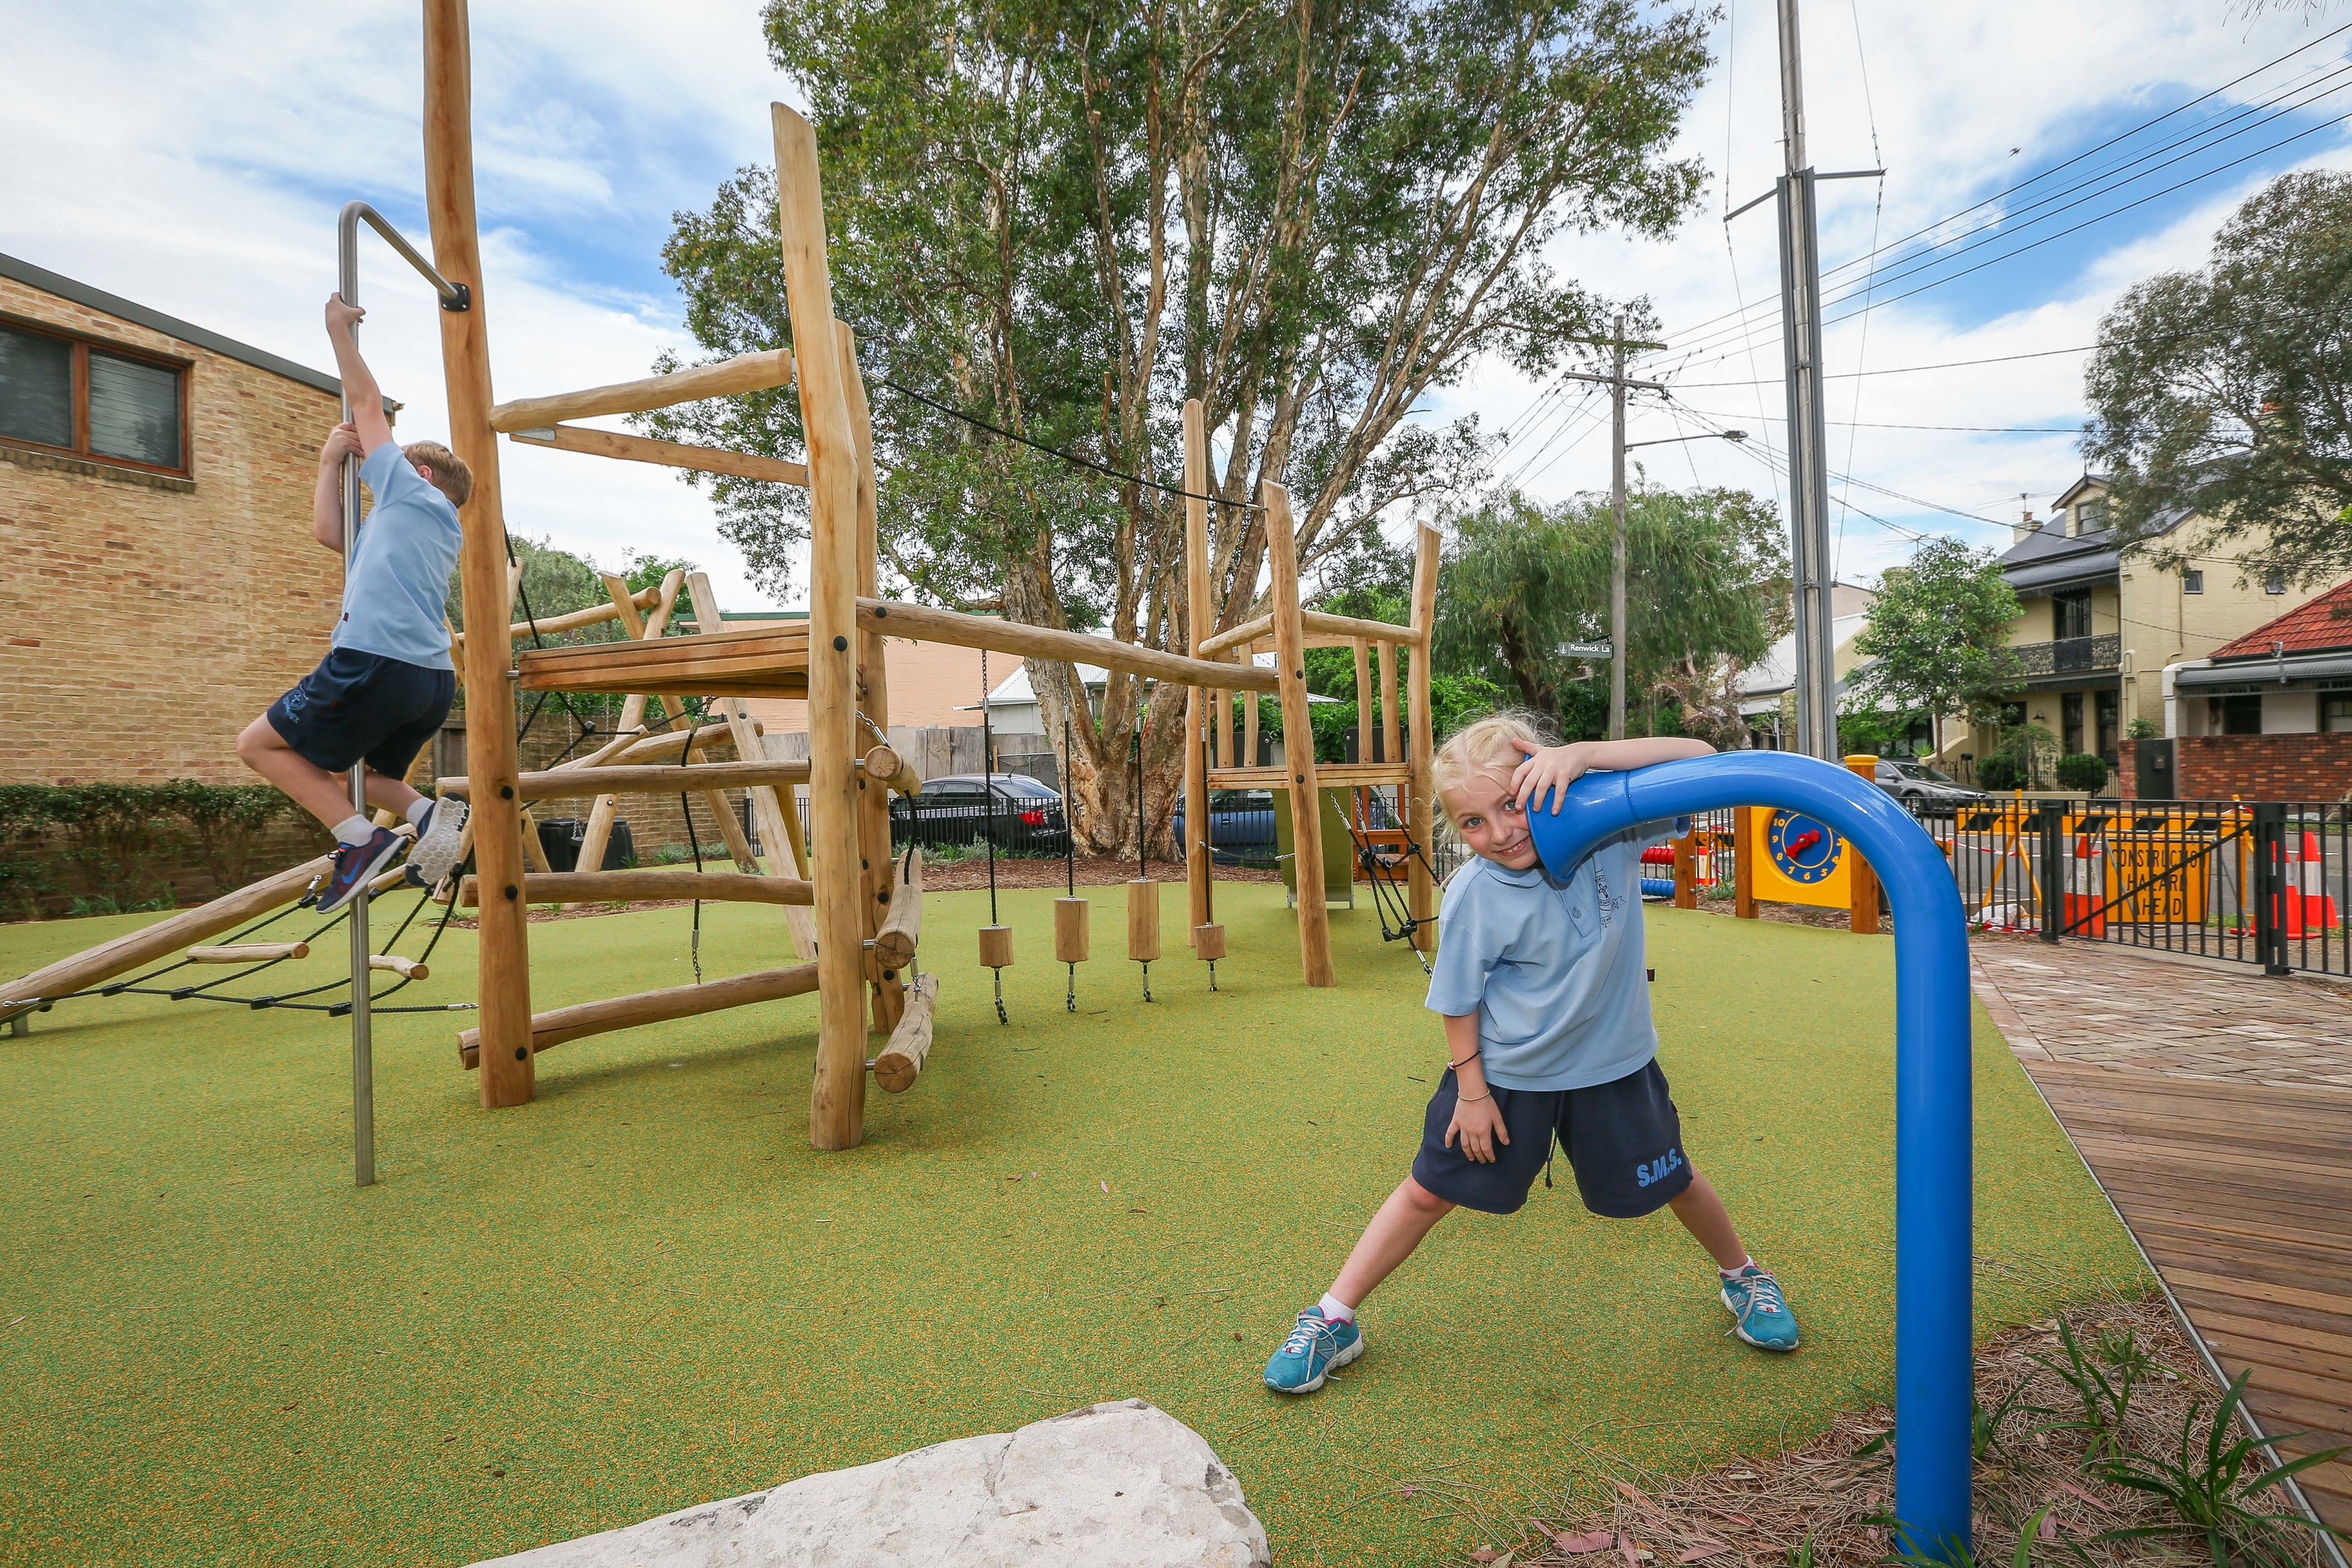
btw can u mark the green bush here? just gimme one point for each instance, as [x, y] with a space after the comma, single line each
[2000, 772]
[2143, 730]
[99, 847]
[2082, 772]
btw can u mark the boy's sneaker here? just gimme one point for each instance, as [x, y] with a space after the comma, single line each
[357, 865]
[1759, 1313]
[438, 839]
[1315, 1347]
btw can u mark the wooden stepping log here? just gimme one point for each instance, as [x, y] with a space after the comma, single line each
[911, 1042]
[249, 953]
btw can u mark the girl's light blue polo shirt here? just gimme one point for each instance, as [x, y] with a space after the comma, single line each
[1555, 974]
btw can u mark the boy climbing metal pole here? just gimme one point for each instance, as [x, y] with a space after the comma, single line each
[387, 681]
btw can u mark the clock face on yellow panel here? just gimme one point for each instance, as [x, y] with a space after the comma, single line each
[1803, 849]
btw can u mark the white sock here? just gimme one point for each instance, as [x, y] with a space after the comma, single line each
[354, 829]
[1335, 1311]
[418, 809]
[1745, 1264]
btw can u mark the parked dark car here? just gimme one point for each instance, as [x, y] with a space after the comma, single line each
[955, 812]
[1918, 784]
[1241, 826]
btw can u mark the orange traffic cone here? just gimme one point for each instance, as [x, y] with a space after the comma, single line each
[2308, 905]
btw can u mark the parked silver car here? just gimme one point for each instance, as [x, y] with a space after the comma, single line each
[1919, 784]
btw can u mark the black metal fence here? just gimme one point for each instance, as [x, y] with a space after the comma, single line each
[2261, 883]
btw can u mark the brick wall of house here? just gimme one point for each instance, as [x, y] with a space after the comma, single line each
[152, 617]
[2303, 767]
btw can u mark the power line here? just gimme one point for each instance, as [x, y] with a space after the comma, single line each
[1056, 452]
[2090, 152]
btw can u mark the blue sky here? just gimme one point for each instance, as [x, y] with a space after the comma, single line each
[193, 155]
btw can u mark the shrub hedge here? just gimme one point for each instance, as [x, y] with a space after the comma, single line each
[100, 847]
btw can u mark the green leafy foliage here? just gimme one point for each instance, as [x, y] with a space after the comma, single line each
[2082, 772]
[1706, 589]
[1999, 771]
[2219, 390]
[1937, 639]
[102, 847]
[2215, 1486]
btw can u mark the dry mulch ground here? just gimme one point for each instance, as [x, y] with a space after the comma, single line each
[1834, 1492]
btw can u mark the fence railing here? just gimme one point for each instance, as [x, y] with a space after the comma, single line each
[2072, 655]
[2260, 883]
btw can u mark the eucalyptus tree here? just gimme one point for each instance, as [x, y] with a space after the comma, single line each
[1061, 220]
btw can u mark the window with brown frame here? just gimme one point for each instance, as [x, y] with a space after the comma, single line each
[84, 399]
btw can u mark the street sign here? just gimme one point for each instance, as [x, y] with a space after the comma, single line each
[1585, 650]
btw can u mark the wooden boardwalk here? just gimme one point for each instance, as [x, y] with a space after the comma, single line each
[2213, 1107]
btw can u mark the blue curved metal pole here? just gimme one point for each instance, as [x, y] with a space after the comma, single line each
[1934, 1353]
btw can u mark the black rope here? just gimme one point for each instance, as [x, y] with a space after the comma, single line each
[1056, 452]
[693, 842]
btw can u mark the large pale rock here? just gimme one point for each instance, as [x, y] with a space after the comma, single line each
[1124, 1485]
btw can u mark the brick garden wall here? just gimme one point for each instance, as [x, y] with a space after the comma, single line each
[2297, 767]
[153, 617]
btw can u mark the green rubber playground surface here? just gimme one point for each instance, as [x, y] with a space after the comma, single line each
[644, 1290]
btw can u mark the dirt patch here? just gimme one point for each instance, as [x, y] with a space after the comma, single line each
[1824, 1504]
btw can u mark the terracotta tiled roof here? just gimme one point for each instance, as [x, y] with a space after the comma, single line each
[2324, 622]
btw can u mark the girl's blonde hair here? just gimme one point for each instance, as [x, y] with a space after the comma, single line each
[1490, 746]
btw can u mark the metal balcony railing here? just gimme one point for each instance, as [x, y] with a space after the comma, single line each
[2072, 655]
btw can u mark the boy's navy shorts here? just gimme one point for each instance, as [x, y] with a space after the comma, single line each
[362, 705]
[1623, 1141]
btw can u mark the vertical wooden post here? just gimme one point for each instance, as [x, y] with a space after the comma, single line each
[1391, 752]
[1686, 870]
[1297, 739]
[1421, 806]
[1747, 843]
[1196, 702]
[503, 940]
[1363, 701]
[837, 1098]
[890, 988]
[777, 834]
[1249, 720]
[1862, 910]
[600, 811]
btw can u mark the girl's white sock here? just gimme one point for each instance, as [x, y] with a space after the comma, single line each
[418, 808]
[354, 829]
[1745, 1264]
[1335, 1310]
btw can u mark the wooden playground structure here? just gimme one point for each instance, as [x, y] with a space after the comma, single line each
[852, 909]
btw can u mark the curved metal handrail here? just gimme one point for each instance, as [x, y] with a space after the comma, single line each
[1934, 1348]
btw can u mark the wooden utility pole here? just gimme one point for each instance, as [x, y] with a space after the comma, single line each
[1616, 382]
[1421, 747]
[490, 760]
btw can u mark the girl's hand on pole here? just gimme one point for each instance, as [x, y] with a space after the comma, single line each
[1479, 1126]
[1550, 772]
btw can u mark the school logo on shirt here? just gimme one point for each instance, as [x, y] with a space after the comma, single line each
[1659, 1169]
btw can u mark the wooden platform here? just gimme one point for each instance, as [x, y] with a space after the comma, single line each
[1328, 776]
[2235, 1186]
[766, 660]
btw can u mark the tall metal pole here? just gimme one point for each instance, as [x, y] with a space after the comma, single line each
[1800, 336]
[362, 1017]
[1617, 535]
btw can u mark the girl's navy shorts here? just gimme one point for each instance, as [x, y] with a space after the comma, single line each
[358, 705]
[1622, 1138]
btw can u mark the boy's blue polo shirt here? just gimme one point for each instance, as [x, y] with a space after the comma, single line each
[396, 599]
[1556, 974]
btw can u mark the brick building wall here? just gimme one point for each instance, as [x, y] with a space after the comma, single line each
[154, 617]
[2294, 767]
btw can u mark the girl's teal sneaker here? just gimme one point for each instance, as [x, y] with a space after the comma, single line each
[1316, 1345]
[1759, 1313]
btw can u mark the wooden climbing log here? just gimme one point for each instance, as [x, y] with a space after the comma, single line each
[97, 965]
[571, 620]
[744, 373]
[996, 947]
[911, 1042]
[647, 887]
[1420, 791]
[931, 624]
[902, 931]
[247, 953]
[885, 766]
[1209, 943]
[668, 454]
[643, 779]
[1345, 629]
[1298, 740]
[626, 749]
[552, 1029]
[406, 968]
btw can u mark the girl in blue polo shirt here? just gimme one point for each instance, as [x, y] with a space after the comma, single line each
[1544, 994]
